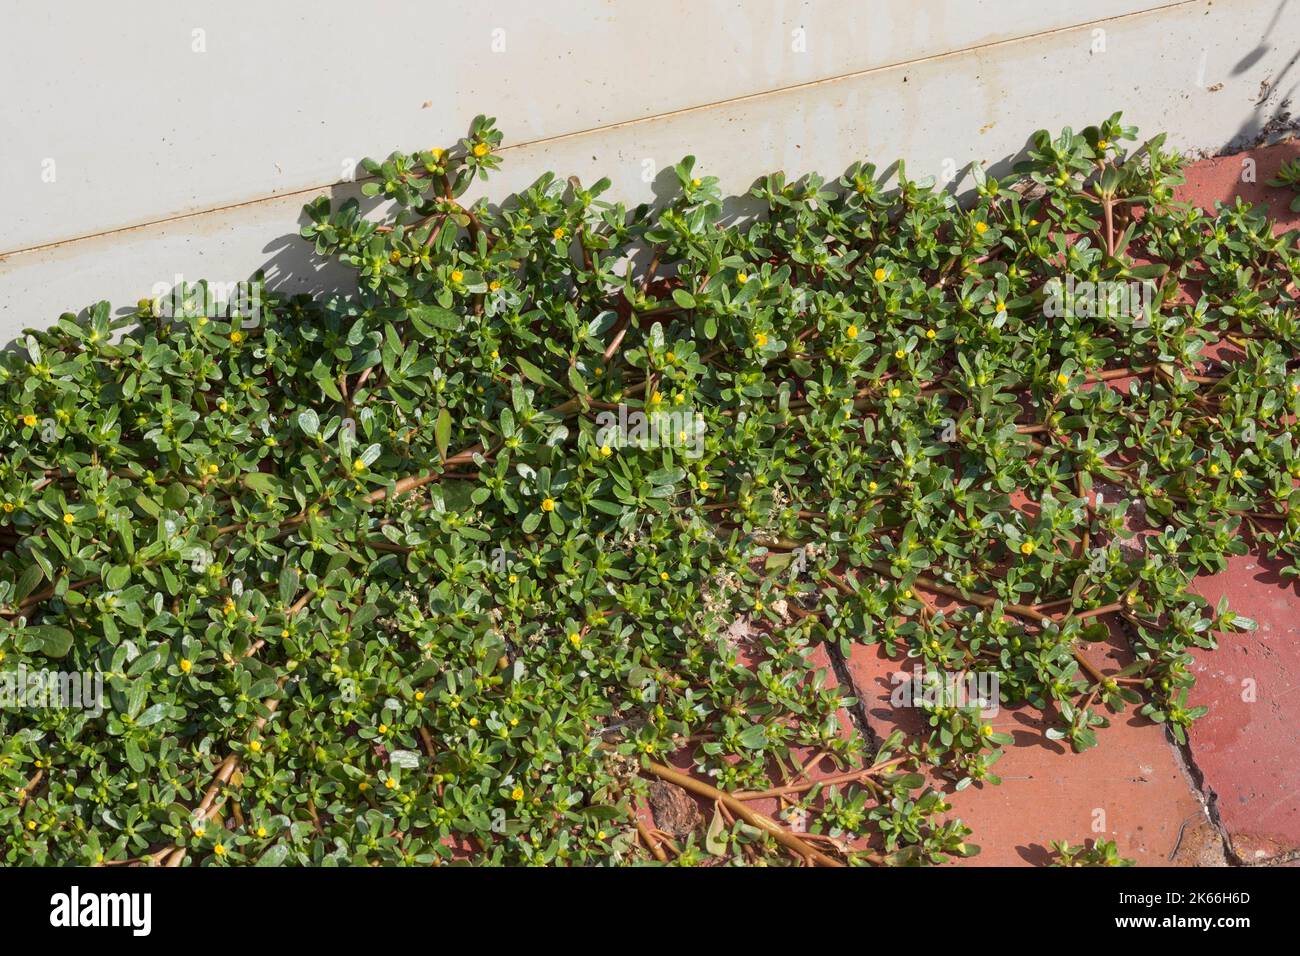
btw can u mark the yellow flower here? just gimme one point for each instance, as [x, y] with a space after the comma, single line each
[851, 331]
[601, 834]
[494, 285]
[496, 354]
[457, 275]
[186, 665]
[1062, 379]
[742, 278]
[9, 507]
[383, 728]
[1237, 473]
[437, 152]
[261, 831]
[473, 721]
[223, 406]
[895, 392]
[929, 333]
[981, 227]
[1214, 469]
[880, 274]
[656, 397]
[68, 518]
[255, 746]
[236, 336]
[548, 504]
[219, 849]
[1002, 306]
[900, 353]
[481, 150]
[696, 182]
[390, 783]
[1033, 222]
[213, 469]
[663, 575]
[517, 793]
[513, 578]
[1103, 144]
[1027, 547]
[872, 486]
[575, 639]
[358, 465]
[760, 340]
[29, 421]
[986, 730]
[704, 486]
[560, 233]
[606, 451]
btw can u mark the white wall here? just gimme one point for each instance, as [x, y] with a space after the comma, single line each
[134, 149]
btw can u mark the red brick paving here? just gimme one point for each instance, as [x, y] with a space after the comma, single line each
[1248, 745]
[1131, 788]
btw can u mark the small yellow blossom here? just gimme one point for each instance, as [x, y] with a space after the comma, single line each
[760, 340]
[981, 227]
[517, 793]
[29, 421]
[851, 331]
[68, 517]
[457, 275]
[548, 504]
[1027, 547]
[481, 149]
[186, 665]
[880, 274]
[742, 278]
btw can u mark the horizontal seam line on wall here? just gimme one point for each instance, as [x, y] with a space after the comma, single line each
[622, 124]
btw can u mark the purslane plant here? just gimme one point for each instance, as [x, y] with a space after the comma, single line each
[408, 576]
